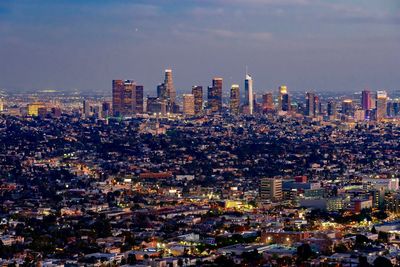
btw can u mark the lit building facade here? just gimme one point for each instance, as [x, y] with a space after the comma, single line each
[235, 99]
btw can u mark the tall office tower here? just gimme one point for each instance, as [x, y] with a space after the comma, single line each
[282, 91]
[139, 99]
[366, 100]
[188, 104]
[248, 91]
[156, 105]
[1, 105]
[96, 111]
[310, 104]
[381, 105]
[197, 91]
[390, 109]
[332, 110]
[106, 109]
[347, 107]
[161, 91]
[123, 97]
[215, 95]
[169, 86]
[87, 112]
[128, 98]
[235, 99]
[317, 106]
[117, 90]
[396, 107]
[268, 102]
[271, 189]
[286, 103]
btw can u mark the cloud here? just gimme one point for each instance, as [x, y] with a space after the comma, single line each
[244, 36]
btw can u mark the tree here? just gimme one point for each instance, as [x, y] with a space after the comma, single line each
[383, 237]
[361, 240]
[304, 252]
[131, 259]
[373, 230]
[224, 261]
[363, 262]
[382, 262]
[341, 248]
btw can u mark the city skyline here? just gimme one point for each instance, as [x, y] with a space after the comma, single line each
[305, 44]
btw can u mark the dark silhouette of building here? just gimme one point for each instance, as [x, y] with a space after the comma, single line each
[197, 91]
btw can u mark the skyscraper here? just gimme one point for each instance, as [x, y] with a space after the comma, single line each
[347, 107]
[156, 105]
[234, 99]
[188, 104]
[366, 100]
[117, 89]
[248, 91]
[381, 105]
[286, 103]
[271, 189]
[86, 109]
[282, 91]
[161, 91]
[139, 99]
[268, 102]
[332, 110]
[169, 86]
[317, 106]
[197, 91]
[124, 97]
[106, 109]
[310, 104]
[215, 95]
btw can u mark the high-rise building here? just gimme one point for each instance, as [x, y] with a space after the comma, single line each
[197, 91]
[271, 189]
[268, 102]
[139, 99]
[123, 97]
[117, 89]
[188, 104]
[169, 86]
[366, 100]
[332, 109]
[156, 105]
[282, 91]
[381, 105]
[161, 91]
[127, 98]
[1, 105]
[87, 111]
[215, 95]
[317, 106]
[235, 99]
[396, 107]
[286, 103]
[33, 108]
[106, 109]
[348, 107]
[390, 109]
[248, 91]
[310, 104]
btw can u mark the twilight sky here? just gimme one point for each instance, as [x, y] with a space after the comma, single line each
[342, 45]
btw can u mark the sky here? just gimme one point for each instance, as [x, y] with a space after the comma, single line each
[336, 45]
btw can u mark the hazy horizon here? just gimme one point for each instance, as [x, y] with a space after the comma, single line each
[305, 44]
